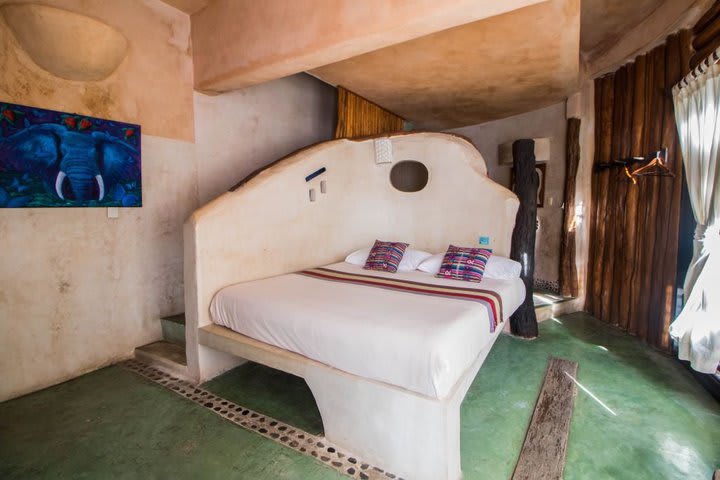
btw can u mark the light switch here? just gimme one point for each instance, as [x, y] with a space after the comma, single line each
[312, 194]
[113, 212]
[322, 187]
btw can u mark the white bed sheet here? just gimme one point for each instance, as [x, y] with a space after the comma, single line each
[421, 343]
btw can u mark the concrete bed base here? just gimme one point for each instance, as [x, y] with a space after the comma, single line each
[406, 433]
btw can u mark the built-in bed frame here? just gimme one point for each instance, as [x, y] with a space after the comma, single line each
[269, 226]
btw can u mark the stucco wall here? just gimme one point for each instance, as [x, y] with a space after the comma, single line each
[240, 131]
[547, 122]
[152, 85]
[79, 290]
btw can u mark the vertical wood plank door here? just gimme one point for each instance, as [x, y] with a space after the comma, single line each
[634, 226]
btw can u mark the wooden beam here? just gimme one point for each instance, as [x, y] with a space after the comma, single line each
[617, 314]
[543, 452]
[600, 197]
[707, 19]
[568, 269]
[592, 208]
[707, 36]
[524, 322]
[238, 43]
[613, 212]
[705, 52]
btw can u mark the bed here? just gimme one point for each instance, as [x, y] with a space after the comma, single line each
[388, 368]
[390, 327]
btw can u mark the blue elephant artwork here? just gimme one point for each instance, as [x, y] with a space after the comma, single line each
[56, 159]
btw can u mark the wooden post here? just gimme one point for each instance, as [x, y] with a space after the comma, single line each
[524, 322]
[568, 270]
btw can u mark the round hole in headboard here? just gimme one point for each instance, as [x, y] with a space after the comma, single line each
[409, 176]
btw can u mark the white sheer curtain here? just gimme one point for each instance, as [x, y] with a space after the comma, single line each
[697, 114]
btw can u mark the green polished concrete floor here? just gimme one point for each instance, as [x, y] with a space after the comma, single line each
[649, 419]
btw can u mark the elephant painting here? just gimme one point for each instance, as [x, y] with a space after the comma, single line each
[68, 161]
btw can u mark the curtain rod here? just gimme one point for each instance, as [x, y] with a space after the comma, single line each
[702, 67]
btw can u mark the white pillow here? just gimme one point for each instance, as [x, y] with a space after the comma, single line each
[497, 267]
[502, 268]
[410, 260]
[432, 263]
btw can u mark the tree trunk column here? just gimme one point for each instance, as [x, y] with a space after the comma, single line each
[524, 322]
[568, 270]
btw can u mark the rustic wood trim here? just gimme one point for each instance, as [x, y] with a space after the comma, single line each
[568, 269]
[707, 27]
[708, 18]
[592, 207]
[358, 116]
[624, 183]
[705, 52]
[612, 215]
[601, 195]
[523, 321]
[543, 452]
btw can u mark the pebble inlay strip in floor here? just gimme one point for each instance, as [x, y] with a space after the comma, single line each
[279, 432]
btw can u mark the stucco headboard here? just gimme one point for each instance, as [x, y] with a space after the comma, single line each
[268, 226]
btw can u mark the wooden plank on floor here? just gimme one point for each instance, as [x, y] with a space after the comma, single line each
[543, 453]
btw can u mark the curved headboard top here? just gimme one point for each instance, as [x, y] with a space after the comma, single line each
[268, 226]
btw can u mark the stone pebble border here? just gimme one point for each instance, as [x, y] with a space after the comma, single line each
[302, 442]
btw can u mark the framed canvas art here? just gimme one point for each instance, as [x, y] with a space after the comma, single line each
[56, 159]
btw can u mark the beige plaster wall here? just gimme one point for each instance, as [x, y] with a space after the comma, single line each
[547, 122]
[79, 290]
[152, 85]
[240, 131]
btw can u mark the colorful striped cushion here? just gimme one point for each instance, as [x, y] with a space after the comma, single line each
[385, 256]
[466, 264]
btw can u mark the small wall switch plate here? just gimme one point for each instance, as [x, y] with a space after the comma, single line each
[484, 240]
[312, 194]
[323, 189]
[383, 150]
[113, 212]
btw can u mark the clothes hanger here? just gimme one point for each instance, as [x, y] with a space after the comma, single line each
[655, 168]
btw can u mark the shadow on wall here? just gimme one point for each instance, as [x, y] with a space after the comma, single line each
[240, 131]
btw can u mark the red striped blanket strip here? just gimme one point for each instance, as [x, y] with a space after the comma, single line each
[491, 300]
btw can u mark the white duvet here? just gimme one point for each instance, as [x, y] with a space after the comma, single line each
[421, 343]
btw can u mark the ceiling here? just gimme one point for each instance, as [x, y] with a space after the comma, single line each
[607, 20]
[493, 68]
[188, 6]
[488, 69]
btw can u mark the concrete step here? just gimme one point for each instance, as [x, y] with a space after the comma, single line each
[166, 355]
[173, 329]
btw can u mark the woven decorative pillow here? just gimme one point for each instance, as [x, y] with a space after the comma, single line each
[385, 256]
[466, 264]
